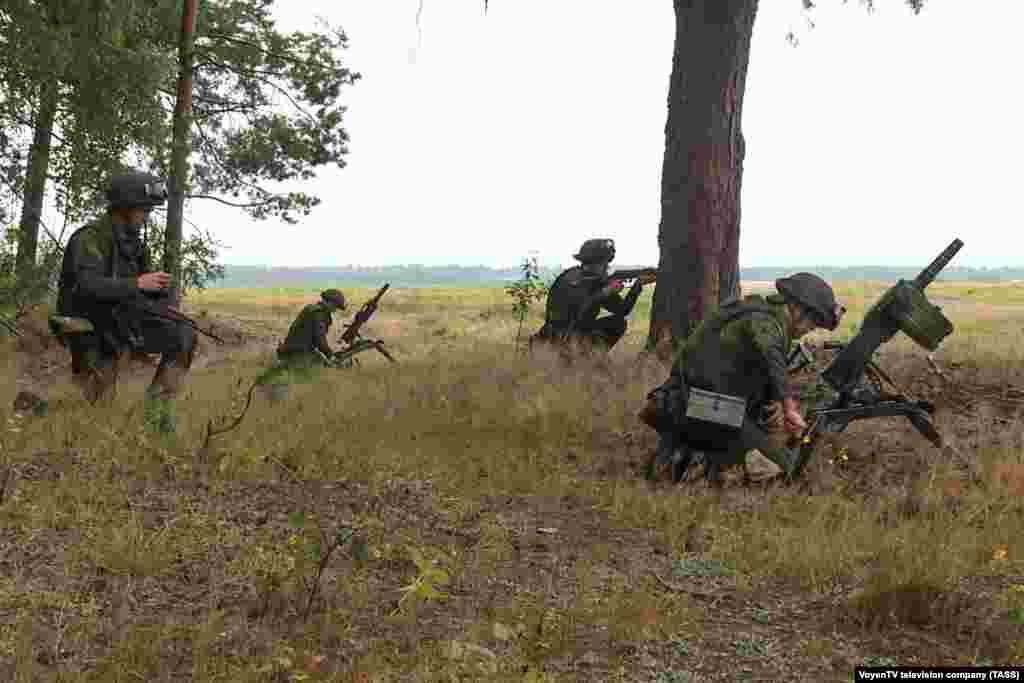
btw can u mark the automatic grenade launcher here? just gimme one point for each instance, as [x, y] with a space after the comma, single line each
[903, 308]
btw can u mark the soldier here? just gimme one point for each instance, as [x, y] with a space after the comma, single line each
[106, 279]
[578, 295]
[740, 352]
[306, 343]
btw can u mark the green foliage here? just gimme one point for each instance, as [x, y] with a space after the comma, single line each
[879, 661]
[674, 677]
[16, 291]
[199, 254]
[680, 648]
[700, 567]
[751, 646]
[531, 288]
[426, 584]
[312, 547]
[244, 71]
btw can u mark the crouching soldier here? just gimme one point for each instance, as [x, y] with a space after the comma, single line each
[578, 295]
[305, 347]
[306, 342]
[728, 395]
[107, 300]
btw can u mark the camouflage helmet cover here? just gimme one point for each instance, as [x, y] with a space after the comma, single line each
[596, 251]
[136, 190]
[814, 294]
[333, 296]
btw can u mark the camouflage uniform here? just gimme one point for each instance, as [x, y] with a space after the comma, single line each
[747, 358]
[741, 351]
[578, 295]
[98, 282]
[308, 333]
[305, 347]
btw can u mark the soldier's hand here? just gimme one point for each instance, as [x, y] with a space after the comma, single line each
[153, 282]
[773, 417]
[794, 421]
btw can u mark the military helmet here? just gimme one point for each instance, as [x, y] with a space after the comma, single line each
[136, 190]
[333, 296]
[813, 294]
[596, 251]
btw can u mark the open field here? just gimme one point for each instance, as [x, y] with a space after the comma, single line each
[495, 523]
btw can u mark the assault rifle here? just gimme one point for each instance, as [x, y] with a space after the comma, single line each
[632, 274]
[859, 381]
[353, 340]
[172, 314]
[62, 326]
[624, 275]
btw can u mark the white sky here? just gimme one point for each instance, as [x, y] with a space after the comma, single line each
[876, 141]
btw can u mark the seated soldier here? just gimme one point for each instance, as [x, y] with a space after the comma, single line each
[306, 343]
[740, 352]
[106, 279]
[577, 296]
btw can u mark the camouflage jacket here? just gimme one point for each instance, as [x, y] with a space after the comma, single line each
[308, 332]
[575, 296]
[741, 351]
[99, 271]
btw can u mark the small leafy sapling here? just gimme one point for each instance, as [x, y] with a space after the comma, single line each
[314, 547]
[531, 288]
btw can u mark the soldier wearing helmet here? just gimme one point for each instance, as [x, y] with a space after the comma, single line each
[580, 293]
[741, 352]
[106, 268]
[308, 334]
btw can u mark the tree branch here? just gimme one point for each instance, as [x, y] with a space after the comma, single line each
[224, 201]
[259, 48]
[252, 73]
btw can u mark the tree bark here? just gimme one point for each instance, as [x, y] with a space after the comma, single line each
[35, 182]
[179, 152]
[702, 169]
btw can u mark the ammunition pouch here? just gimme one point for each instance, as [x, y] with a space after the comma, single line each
[720, 409]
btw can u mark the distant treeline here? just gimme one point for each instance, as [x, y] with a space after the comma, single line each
[482, 276]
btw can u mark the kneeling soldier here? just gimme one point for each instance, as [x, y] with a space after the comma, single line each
[106, 287]
[306, 343]
[737, 358]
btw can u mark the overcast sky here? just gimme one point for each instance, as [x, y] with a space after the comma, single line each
[877, 140]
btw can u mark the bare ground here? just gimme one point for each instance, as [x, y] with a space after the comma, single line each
[602, 580]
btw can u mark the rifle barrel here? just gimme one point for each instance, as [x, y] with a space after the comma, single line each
[926, 276]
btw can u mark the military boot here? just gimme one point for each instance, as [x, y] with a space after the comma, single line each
[158, 412]
[161, 395]
[97, 384]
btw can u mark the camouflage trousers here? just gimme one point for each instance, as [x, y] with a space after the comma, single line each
[761, 449]
[603, 334]
[288, 369]
[96, 364]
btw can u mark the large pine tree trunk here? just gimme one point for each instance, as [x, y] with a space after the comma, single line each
[700, 185]
[180, 145]
[35, 182]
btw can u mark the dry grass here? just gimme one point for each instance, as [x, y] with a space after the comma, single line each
[495, 525]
